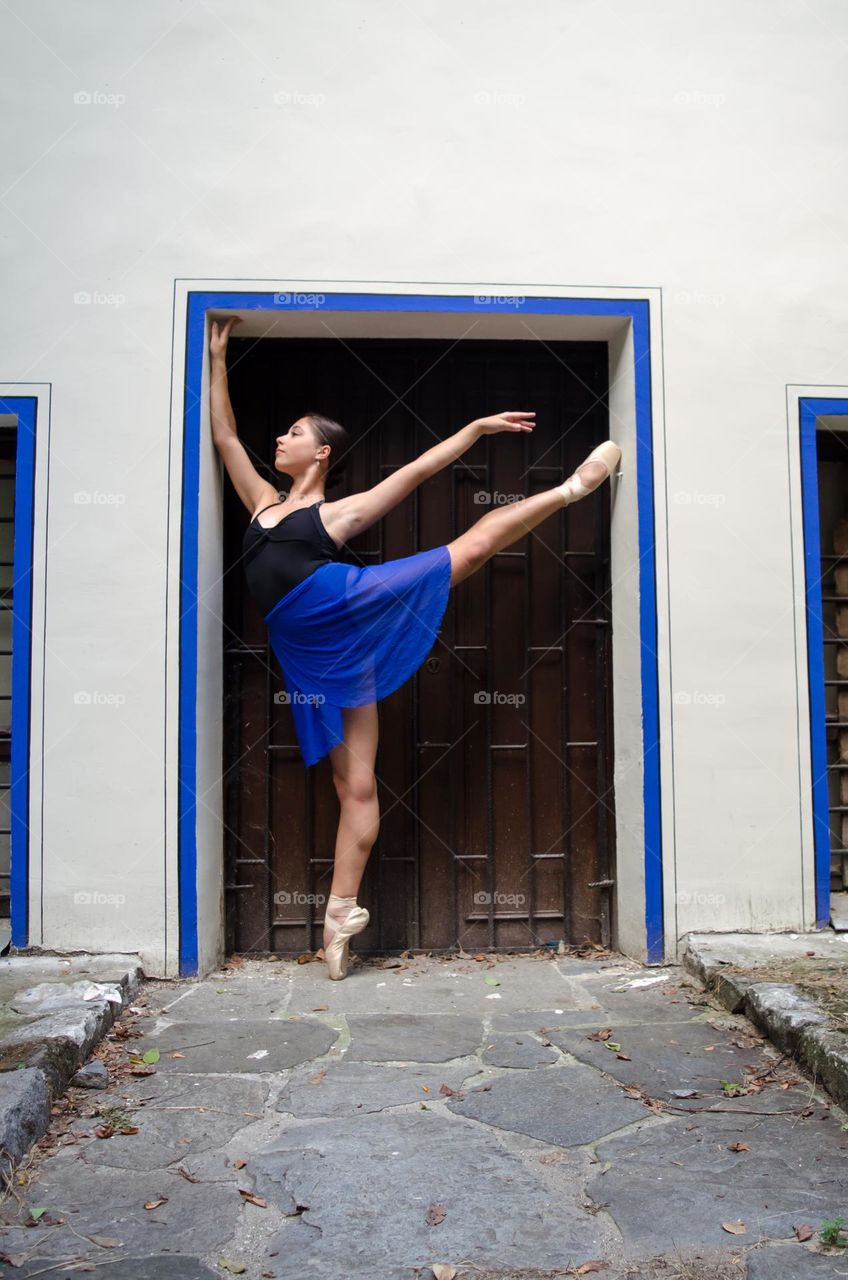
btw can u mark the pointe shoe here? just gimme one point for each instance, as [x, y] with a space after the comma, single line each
[337, 953]
[608, 454]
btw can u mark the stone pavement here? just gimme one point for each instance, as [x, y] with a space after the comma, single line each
[504, 1117]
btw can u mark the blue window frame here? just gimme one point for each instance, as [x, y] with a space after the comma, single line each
[811, 408]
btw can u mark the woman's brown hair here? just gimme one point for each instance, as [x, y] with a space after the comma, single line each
[332, 433]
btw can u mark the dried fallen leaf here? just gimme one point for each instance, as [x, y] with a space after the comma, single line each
[104, 1131]
[597, 1265]
[443, 1271]
[317, 1078]
[239, 1164]
[257, 1200]
[449, 1092]
[128, 1128]
[435, 1214]
[154, 1204]
[603, 1034]
[739, 1146]
[625, 1057]
[106, 1242]
[803, 1231]
[735, 1228]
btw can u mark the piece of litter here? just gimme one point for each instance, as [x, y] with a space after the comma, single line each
[647, 982]
[559, 1011]
[496, 995]
[260, 1053]
[381, 984]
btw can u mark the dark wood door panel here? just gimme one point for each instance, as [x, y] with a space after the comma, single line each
[494, 765]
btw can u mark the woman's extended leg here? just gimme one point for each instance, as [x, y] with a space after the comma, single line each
[504, 525]
[359, 822]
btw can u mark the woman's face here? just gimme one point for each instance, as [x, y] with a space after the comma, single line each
[296, 449]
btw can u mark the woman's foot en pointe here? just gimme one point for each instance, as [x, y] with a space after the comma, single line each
[600, 464]
[343, 919]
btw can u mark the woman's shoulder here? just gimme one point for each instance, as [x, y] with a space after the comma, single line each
[332, 516]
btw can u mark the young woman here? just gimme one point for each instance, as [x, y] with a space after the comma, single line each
[347, 636]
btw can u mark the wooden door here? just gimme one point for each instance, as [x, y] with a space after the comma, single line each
[495, 760]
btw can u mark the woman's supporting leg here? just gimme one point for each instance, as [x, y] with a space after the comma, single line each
[359, 821]
[504, 525]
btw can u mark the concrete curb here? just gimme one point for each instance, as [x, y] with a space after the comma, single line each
[791, 1020]
[53, 1011]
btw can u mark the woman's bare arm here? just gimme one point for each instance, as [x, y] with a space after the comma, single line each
[358, 511]
[248, 483]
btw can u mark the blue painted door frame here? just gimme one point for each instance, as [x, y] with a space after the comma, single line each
[637, 311]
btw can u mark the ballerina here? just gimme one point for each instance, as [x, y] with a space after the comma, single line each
[346, 636]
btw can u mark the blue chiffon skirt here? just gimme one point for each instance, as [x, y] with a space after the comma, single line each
[351, 634]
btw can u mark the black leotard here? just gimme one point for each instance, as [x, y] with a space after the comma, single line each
[276, 559]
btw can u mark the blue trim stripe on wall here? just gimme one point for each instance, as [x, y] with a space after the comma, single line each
[812, 408]
[25, 409]
[637, 310]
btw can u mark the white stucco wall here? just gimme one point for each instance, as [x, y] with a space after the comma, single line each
[692, 150]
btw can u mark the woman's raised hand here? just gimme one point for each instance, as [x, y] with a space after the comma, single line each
[220, 335]
[506, 422]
